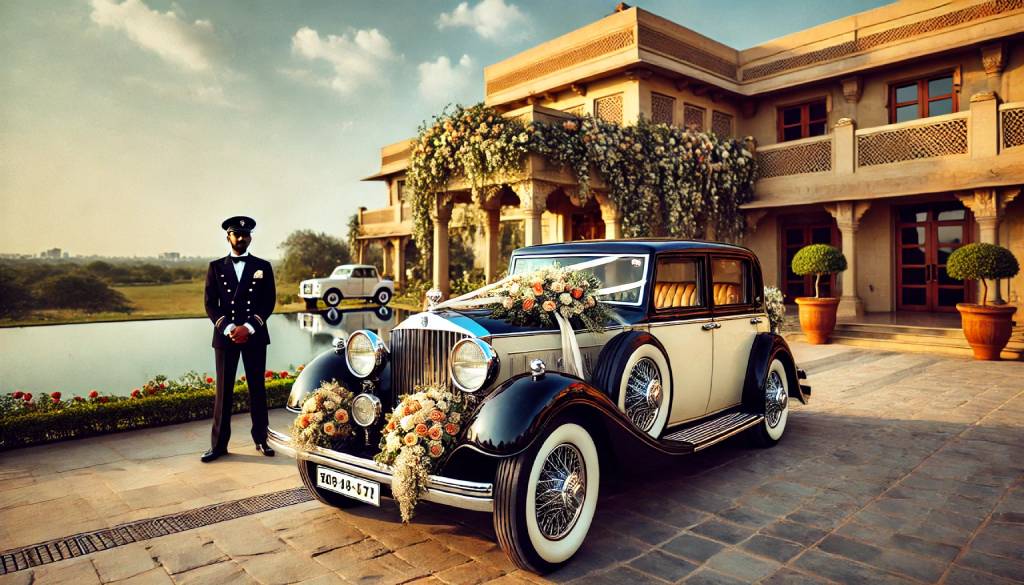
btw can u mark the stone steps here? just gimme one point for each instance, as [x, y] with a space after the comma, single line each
[909, 338]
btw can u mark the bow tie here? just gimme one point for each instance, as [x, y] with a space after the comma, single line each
[237, 259]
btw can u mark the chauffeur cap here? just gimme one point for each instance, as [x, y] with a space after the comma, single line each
[238, 223]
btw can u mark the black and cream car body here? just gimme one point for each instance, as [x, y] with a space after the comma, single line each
[688, 362]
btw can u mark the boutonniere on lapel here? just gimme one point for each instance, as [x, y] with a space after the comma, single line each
[257, 275]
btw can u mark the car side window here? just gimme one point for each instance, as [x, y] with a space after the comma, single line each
[677, 284]
[370, 273]
[359, 273]
[730, 281]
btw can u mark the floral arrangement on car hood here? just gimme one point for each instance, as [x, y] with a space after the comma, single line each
[533, 299]
[420, 430]
[325, 419]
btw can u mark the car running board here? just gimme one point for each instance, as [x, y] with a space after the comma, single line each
[712, 432]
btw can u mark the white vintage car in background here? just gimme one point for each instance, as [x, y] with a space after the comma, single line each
[348, 281]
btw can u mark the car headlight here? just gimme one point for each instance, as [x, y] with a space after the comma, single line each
[365, 409]
[474, 364]
[365, 353]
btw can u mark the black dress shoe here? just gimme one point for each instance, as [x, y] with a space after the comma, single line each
[211, 455]
[265, 449]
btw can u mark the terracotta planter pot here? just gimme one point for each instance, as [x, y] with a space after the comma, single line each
[987, 328]
[817, 318]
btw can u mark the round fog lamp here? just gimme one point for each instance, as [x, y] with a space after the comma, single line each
[365, 409]
[364, 353]
[474, 364]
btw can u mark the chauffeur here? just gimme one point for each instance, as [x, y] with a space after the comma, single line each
[240, 296]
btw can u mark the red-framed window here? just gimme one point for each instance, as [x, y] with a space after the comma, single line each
[802, 120]
[920, 98]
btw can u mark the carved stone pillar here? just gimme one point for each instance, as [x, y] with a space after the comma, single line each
[533, 195]
[993, 59]
[441, 213]
[492, 241]
[847, 215]
[988, 207]
[984, 126]
[844, 143]
[398, 256]
[611, 216]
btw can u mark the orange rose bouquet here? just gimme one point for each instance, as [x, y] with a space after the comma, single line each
[532, 299]
[325, 419]
[422, 428]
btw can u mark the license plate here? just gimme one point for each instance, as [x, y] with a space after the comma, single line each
[348, 485]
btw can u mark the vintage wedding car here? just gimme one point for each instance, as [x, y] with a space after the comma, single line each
[688, 360]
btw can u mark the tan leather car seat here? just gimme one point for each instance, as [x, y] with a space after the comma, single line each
[727, 294]
[675, 294]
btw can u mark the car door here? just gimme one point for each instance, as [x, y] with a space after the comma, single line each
[680, 318]
[737, 306]
[369, 281]
[352, 285]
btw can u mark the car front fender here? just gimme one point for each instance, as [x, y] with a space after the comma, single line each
[767, 347]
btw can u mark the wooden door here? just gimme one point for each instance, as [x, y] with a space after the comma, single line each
[925, 237]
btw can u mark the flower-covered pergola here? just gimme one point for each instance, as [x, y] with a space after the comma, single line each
[648, 179]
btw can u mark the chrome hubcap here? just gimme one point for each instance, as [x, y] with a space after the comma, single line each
[561, 490]
[643, 394]
[776, 399]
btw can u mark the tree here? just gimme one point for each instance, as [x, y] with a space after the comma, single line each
[818, 259]
[15, 300]
[307, 254]
[80, 291]
[980, 261]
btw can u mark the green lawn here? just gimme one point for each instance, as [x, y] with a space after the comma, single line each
[160, 301]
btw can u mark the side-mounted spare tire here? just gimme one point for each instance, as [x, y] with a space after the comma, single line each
[634, 370]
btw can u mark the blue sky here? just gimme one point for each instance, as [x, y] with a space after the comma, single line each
[133, 127]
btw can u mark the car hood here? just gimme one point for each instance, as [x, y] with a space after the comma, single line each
[478, 322]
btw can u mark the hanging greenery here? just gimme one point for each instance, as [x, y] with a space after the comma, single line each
[663, 179]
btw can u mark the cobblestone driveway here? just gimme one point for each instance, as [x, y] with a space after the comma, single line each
[904, 468]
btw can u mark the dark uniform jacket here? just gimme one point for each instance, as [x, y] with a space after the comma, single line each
[249, 301]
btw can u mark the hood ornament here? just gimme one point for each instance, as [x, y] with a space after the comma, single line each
[433, 298]
[424, 321]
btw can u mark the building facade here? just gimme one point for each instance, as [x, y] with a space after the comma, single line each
[896, 134]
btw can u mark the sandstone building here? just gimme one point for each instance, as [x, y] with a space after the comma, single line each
[896, 134]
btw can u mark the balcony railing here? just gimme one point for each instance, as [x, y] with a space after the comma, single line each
[809, 155]
[978, 133]
[926, 138]
[1011, 123]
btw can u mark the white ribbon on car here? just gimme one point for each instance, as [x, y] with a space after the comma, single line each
[571, 355]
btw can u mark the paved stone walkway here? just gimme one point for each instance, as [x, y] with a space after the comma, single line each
[905, 468]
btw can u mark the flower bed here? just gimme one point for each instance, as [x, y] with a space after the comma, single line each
[31, 420]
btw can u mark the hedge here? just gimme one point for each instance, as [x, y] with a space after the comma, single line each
[87, 419]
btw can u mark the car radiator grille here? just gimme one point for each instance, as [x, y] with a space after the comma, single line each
[420, 357]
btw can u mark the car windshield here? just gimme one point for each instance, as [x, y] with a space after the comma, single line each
[623, 273]
[342, 272]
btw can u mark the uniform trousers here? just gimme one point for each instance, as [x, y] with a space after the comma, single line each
[254, 359]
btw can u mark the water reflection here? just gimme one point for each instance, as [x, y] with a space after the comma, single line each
[116, 357]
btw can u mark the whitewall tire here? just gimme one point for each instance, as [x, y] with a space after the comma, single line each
[382, 297]
[775, 393]
[332, 298]
[545, 498]
[645, 389]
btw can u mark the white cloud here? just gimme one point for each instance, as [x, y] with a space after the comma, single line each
[442, 81]
[356, 57]
[490, 19]
[187, 45]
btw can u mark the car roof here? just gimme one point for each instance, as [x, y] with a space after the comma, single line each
[354, 266]
[628, 246]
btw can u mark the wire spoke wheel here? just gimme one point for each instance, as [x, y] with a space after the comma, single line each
[643, 394]
[776, 399]
[561, 491]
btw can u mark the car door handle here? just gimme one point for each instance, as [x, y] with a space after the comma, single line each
[710, 326]
[756, 321]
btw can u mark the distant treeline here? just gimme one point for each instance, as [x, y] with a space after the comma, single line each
[27, 285]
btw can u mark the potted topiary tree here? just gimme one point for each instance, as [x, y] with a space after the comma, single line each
[986, 327]
[817, 314]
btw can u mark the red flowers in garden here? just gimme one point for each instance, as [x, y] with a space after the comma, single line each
[269, 374]
[209, 380]
[93, 394]
[18, 394]
[136, 393]
[283, 374]
[28, 397]
[55, 396]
